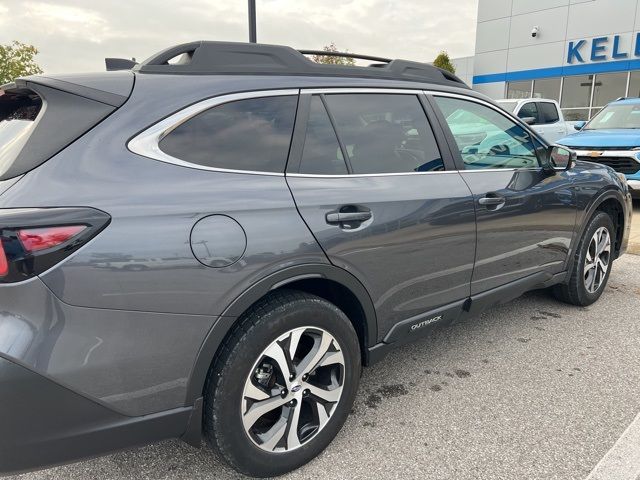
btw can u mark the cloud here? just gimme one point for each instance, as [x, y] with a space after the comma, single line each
[76, 35]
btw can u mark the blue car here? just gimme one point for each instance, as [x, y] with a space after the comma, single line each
[612, 138]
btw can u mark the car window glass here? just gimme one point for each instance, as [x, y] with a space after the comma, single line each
[321, 153]
[529, 110]
[548, 112]
[385, 133]
[486, 138]
[252, 134]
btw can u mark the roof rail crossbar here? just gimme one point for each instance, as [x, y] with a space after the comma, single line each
[234, 58]
[345, 55]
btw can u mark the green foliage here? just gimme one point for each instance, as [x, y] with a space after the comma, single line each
[443, 61]
[16, 60]
[333, 60]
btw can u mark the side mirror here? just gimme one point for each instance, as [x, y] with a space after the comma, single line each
[579, 125]
[562, 158]
[529, 120]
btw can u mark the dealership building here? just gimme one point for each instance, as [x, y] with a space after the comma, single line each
[583, 53]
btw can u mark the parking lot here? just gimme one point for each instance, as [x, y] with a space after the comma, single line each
[534, 389]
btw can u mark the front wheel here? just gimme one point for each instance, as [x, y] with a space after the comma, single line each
[283, 385]
[592, 264]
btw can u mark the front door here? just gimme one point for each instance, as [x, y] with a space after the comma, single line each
[380, 201]
[525, 213]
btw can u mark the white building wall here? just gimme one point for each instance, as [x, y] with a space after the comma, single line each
[504, 45]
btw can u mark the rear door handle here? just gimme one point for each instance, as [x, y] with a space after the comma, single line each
[341, 217]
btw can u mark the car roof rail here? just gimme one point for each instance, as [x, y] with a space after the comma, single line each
[209, 58]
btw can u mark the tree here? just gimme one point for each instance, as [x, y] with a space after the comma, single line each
[331, 60]
[444, 62]
[16, 60]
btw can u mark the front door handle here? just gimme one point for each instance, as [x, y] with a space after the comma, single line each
[492, 202]
[342, 217]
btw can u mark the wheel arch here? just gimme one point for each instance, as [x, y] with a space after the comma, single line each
[327, 281]
[610, 201]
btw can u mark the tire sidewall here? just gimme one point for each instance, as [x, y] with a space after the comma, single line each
[227, 399]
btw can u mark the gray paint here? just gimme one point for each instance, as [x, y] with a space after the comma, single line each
[134, 339]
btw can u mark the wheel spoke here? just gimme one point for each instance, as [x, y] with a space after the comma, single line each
[254, 393]
[294, 341]
[258, 409]
[294, 417]
[272, 437]
[331, 358]
[321, 413]
[310, 362]
[331, 396]
[277, 353]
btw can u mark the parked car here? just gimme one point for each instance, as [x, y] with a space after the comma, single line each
[543, 115]
[612, 138]
[311, 217]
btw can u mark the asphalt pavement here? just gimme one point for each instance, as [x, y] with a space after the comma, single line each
[534, 389]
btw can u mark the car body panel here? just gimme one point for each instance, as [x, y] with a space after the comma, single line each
[131, 347]
[530, 233]
[400, 254]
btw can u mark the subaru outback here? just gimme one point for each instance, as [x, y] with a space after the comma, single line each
[212, 243]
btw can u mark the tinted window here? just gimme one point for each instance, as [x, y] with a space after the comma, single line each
[321, 153]
[519, 89]
[385, 133]
[548, 88]
[251, 134]
[486, 138]
[548, 112]
[529, 110]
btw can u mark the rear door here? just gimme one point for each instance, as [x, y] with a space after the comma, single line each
[525, 213]
[381, 194]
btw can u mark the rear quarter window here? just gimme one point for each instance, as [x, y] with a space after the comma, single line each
[18, 114]
[252, 134]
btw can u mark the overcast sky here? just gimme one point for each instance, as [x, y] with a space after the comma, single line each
[76, 35]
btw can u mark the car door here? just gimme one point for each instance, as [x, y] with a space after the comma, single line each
[525, 213]
[384, 200]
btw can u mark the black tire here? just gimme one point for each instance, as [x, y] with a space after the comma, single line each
[575, 291]
[266, 321]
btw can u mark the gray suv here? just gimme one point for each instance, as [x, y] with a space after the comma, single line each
[215, 241]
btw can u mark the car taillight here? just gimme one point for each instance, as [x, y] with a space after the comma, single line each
[4, 265]
[35, 239]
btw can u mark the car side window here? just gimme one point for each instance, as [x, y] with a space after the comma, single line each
[548, 112]
[321, 153]
[529, 110]
[385, 133]
[252, 134]
[487, 138]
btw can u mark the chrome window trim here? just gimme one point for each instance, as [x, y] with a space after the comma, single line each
[358, 175]
[147, 143]
[345, 90]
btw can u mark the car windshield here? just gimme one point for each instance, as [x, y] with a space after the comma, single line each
[508, 106]
[616, 116]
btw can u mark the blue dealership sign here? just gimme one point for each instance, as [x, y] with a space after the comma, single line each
[600, 49]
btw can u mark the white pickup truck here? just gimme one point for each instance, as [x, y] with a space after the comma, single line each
[544, 116]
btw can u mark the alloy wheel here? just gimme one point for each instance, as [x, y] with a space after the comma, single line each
[597, 260]
[293, 389]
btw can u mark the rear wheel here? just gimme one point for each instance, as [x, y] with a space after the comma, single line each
[592, 264]
[283, 384]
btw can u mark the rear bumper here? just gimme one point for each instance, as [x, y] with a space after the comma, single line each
[43, 423]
